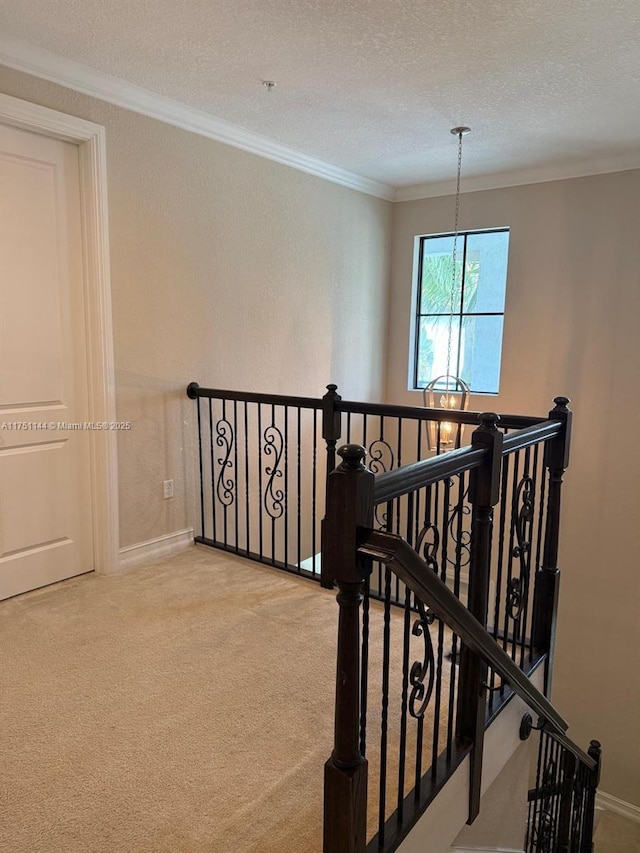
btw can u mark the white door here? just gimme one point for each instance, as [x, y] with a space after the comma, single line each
[45, 494]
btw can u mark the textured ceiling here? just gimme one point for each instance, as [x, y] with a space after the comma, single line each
[550, 87]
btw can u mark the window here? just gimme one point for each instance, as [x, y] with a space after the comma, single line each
[468, 335]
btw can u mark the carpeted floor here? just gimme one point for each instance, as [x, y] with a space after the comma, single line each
[616, 834]
[183, 706]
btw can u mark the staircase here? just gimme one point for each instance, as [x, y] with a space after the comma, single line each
[496, 664]
[448, 581]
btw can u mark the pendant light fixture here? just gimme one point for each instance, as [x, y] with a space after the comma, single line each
[453, 392]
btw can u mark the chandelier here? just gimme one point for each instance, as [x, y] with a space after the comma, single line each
[449, 391]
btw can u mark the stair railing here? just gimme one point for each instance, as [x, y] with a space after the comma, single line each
[263, 460]
[351, 545]
[562, 803]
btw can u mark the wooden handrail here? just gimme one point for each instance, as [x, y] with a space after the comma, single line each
[421, 413]
[194, 391]
[400, 557]
[534, 434]
[393, 484]
[400, 481]
[417, 413]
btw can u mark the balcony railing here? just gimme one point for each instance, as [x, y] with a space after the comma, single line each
[446, 564]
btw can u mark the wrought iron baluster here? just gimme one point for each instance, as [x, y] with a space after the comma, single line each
[398, 501]
[542, 490]
[422, 675]
[501, 548]
[260, 523]
[201, 469]
[213, 476]
[522, 512]
[417, 785]
[566, 789]
[557, 800]
[384, 717]
[398, 465]
[272, 473]
[530, 545]
[462, 492]
[576, 832]
[285, 529]
[314, 493]
[444, 527]
[512, 525]
[418, 458]
[299, 487]
[410, 517]
[225, 440]
[404, 703]
[235, 468]
[247, 479]
[534, 802]
[542, 831]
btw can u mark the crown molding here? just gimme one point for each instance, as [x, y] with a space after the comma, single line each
[81, 78]
[535, 175]
[49, 66]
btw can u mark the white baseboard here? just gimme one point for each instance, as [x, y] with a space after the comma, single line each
[485, 850]
[161, 546]
[604, 802]
[613, 804]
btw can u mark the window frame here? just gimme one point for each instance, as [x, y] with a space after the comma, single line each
[458, 316]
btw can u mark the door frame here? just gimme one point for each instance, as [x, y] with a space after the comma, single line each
[91, 142]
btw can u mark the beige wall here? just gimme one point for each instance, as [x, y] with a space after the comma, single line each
[236, 271]
[227, 269]
[571, 327]
[502, 822]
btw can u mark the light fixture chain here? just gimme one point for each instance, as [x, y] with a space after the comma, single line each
[454, 256]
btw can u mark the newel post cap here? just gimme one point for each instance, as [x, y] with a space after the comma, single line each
[352, 456]
[561, 402]
[488, 421]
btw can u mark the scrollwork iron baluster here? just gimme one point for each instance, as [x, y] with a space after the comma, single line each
[462, 551]
[543, 831]
[421, 691]
[518, 586]
[429, 547]
[377, 451]
[224, 439]
[381, 460]
[273, 446]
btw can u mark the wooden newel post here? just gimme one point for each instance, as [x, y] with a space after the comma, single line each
[349, 514]
[595, 751]
[484, 494]
[547, 583]
[331, 424]
[331, 428]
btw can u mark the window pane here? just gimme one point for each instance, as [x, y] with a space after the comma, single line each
[469, 343]
[437, 275]
[486, 272]
[433, 348]
[481, 347]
